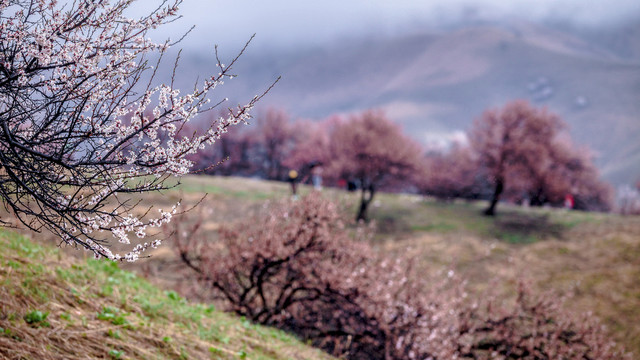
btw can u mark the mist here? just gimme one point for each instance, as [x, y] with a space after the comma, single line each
[281, 23]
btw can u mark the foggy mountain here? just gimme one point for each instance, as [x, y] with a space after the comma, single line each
[434, 83]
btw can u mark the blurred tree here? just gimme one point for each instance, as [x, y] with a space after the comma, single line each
[524, 154]
[570, 171]
[628, 200]
[513, 145]
[311, 144]
[450, 175]
[275, 139]
[232, 154]
[372, 150]
[590, 193]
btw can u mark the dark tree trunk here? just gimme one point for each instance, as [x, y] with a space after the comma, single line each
[538, 198]
[364, 202]
[491, 210]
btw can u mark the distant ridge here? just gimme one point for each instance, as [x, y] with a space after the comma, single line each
[436, 82]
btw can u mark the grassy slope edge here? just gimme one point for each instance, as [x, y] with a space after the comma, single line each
[54, 307]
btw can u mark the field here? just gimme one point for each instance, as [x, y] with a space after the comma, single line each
[592, 260]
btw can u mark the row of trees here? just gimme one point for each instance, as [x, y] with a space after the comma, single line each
[518, 153]
[296, 267]
[367, 149]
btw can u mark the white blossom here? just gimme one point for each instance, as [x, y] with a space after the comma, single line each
[81, 125]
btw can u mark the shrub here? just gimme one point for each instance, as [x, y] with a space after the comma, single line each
[297, 268]
[37, 318]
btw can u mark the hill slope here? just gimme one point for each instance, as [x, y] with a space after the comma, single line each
[591, 258]
[55, 308]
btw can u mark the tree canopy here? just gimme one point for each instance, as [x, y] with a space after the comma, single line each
[525, 153]
[371, 149]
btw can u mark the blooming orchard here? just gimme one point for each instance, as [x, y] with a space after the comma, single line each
[84, 126]
[298, 267]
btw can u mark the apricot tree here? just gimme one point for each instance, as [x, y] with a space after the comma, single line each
[84, 125]
[519, 149]
[372, 150]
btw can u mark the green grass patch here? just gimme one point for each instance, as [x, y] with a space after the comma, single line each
[441, 227]
[401, 215]
[224, 186]
[37, 318]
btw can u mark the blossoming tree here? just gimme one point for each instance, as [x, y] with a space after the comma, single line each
[84, 126]
[513, 145]
[275, 140]
[371, 149]
[525, 150]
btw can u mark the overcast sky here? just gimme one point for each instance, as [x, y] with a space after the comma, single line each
[295, 22]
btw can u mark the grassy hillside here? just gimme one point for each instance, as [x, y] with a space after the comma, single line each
[592, 259]
[54, 307]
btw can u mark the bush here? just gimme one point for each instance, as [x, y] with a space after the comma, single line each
[297, 268]
[37, 317]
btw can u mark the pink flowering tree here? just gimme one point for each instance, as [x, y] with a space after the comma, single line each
[231, 155]
[525, 150]
[311, 141]
[84, 125]
[371, 149]
[275, 139]
[514, 145]
[450, 175]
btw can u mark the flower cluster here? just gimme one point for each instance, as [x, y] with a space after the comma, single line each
[84, 126]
